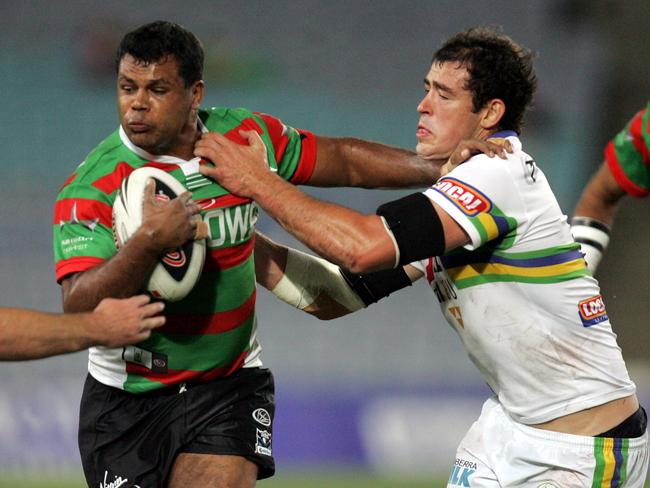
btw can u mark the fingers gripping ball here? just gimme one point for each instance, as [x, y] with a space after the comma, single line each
[179, 269]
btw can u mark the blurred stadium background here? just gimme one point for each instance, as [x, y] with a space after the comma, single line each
[382, 396]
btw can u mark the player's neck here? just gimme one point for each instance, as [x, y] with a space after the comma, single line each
[183, 146]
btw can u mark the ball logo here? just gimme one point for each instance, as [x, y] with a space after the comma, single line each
[262, 416]
[468, 199]
[592, 311]
[175, 258]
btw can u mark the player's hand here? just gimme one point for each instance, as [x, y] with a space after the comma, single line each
[121, 322]
[469, 147]
[168, 224]
[237, 167]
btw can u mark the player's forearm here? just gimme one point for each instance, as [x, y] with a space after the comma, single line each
[270, 261]
[343, 236]
[601, 197]
[359, 163]
[27, 334]
[303, 281]
[121, 276]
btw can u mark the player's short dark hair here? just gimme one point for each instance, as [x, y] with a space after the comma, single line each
[154, 42]
[498, 67]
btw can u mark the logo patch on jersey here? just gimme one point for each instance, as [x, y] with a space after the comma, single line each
[263, 444]
[467, 198]
[592, 311]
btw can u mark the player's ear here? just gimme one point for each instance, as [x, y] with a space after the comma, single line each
[493, 112]
[197, 90]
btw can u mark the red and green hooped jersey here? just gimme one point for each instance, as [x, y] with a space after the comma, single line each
[519, 295]
[628, 155]
[211, 332]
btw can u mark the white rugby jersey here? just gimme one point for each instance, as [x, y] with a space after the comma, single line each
[530, 315]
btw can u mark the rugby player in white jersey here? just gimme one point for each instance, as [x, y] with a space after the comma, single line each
[508, 275]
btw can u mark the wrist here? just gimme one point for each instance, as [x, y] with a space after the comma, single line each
[86, 330]
[144, 239]
[593, 237]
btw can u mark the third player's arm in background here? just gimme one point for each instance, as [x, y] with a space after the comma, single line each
[601, 197]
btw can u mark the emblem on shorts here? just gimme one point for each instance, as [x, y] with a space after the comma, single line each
[592, 311]
[262, 416]
[462, 472]
[263, 443]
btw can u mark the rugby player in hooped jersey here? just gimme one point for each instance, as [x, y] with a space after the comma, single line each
[192, 405]
[505, 269]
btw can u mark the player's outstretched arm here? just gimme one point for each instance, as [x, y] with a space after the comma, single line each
[346, 161]
[359, 163]
[165, 225]
[28, 334]
[594, 215]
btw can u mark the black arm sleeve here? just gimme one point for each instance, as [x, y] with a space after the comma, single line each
[416, 226]
[372, 287]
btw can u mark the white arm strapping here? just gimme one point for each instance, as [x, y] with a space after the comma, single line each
[306, 277]
[593, 238]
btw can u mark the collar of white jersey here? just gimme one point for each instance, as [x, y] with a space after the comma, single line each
[155, 157]
[511, 135]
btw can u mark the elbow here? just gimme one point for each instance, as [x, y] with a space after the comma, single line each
[368, 260]
[360, 266]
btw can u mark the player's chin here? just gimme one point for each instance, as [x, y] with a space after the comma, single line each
[430, 151]
[145, 140]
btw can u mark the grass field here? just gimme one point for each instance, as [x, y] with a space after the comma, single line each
[316, 480]
[304, 480]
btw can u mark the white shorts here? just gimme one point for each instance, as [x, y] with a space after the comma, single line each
[497, 451]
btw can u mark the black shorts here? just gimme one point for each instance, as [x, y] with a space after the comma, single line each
[134, 439]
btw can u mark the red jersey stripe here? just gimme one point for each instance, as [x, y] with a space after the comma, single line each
[85, 209]
[246, 124]
[307, 158]
[636, 129]
[222, 201]
[276, 129]
[215, 323]
[229, 257]
[619, 175]
[112, 181]
[181, 376]
[70, 266]
[280, 141]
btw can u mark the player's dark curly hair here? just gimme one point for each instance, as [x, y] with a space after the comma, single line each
[498, 68]
[154, 42]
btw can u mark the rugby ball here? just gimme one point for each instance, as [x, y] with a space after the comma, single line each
[179, 269]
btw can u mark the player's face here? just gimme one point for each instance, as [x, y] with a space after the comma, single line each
[446, 115]
[157, 111]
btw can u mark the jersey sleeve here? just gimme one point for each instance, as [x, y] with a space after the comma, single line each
[482, 198]
[82, 233]
[295, 149]
[628, 155]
